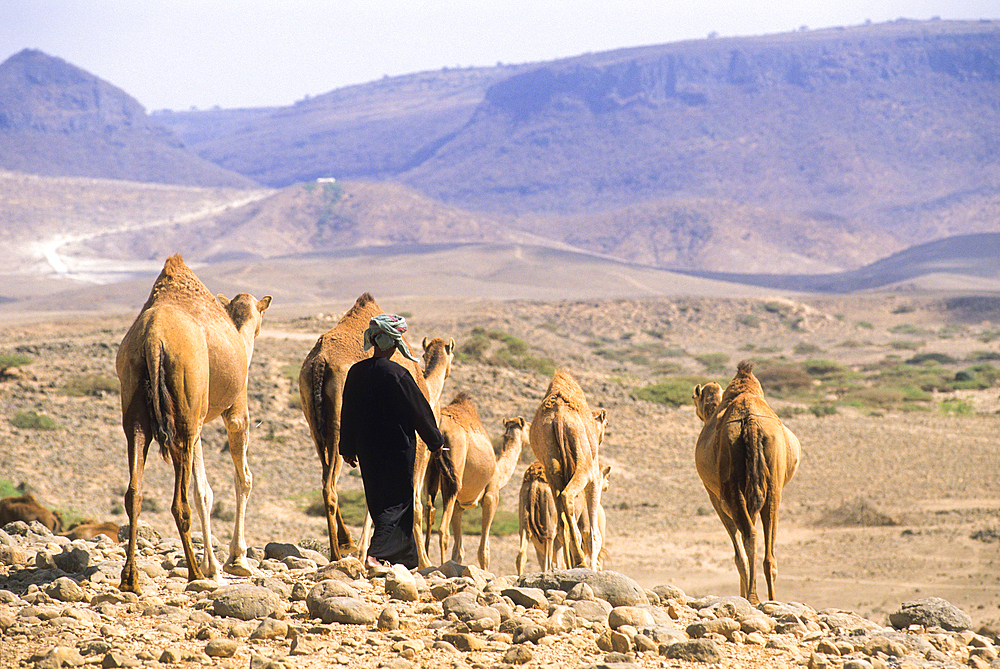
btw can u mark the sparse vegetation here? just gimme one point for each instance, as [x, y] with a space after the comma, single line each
[9, 361]
[91, 385]
[673, 391]
[502, 349]
[30, 420]
[713, 362]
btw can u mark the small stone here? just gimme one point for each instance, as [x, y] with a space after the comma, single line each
[221, 648]
[464, 642]
[696, 650]
[171, 656]
[270, 628]
[518, 654]
[388, 620]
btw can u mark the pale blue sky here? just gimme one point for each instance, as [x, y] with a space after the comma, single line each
[179, 54]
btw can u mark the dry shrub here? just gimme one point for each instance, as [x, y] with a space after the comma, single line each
[858, 512]
[782, 379]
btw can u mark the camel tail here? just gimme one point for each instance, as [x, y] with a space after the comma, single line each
[444, 471]
[540, 524]
[318, 375]
[566, 461]
[161, 403]
[754, 488]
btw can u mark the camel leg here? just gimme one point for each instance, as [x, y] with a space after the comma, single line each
[769, 519]
[367, 529]
[522, 553]
[458, 550]
[429, 513]
[344, 541]
[736, 538]
[181, 509]
[133, 502]
[595, 539]
[567, 503]
[448, 513]
[203, 499]
[489, 508]
[237, 420]
[331, 504]
[419, 476]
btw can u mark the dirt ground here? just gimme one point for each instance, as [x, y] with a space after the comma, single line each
[887, 506]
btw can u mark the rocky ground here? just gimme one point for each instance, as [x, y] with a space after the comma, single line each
[887, 506]
[59, 606]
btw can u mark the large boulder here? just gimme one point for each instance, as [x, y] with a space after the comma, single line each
[614, 588]
[931, 612]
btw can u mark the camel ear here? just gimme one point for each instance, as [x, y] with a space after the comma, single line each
[520, 421]
[601, 415]
[424, 343]
[451, 344]
[223, 300]
[697, 391]
[263, 303]
[606, 472]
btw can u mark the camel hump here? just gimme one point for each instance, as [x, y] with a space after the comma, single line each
[563, 389]
[744, 368]
[463, 411]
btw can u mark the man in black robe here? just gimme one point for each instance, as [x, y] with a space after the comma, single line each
[382, 410]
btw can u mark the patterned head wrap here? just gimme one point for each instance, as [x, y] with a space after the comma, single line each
[386, 331]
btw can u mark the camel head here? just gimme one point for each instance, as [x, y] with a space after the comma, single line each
[605, 476]
[437, 347]
[601, 422]
[707, 399]
[245, 310]
[515, 433]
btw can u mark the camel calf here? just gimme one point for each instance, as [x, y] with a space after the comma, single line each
[565, 437]
[537, 520]
[183, 363]
[480, 474]
[27, 508]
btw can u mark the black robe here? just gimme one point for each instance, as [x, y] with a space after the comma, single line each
[382, 409]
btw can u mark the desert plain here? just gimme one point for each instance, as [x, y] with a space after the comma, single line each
[892, 502]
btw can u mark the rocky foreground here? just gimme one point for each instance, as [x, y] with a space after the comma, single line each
[60, 606]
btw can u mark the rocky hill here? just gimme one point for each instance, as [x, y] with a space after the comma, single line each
[58, 120]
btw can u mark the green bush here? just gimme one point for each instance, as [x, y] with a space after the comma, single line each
[824, 369]
[674, 391]
[865, 325]
[977, 377]
[713, 361]
[782, 379]
[29, 420]
[11, 360]
[8, 489]
[749, 320]
[91, 385]
[977, 356]
[820, 410]
[908, 329]
[805, 348]
[940, 358]
[959, 407]
[905, 345]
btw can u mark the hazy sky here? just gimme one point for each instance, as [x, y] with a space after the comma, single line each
[178, 54]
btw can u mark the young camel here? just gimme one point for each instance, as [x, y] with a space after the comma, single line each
[745, 456]
[480, 474]
[565, 437]
[183, 363]
[537, 520]
[321, 387]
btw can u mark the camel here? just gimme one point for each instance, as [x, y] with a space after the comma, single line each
[90, 528]
[321, 386]
[480, 474]
[26, 508]
[537, 519]
[565, 437]
[745, 456]
[183, 363]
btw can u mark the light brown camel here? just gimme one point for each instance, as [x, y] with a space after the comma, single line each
[480, 474]
[745, 456]
[321, 386]
[537, 519]
[183, 363]
[566, 437]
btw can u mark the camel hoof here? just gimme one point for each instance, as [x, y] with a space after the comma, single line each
[348, 548]
[238, 568]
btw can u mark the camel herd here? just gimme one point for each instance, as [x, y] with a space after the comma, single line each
[185, 361]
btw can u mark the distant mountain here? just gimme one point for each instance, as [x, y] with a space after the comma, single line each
[818, 150]
[58, 120]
